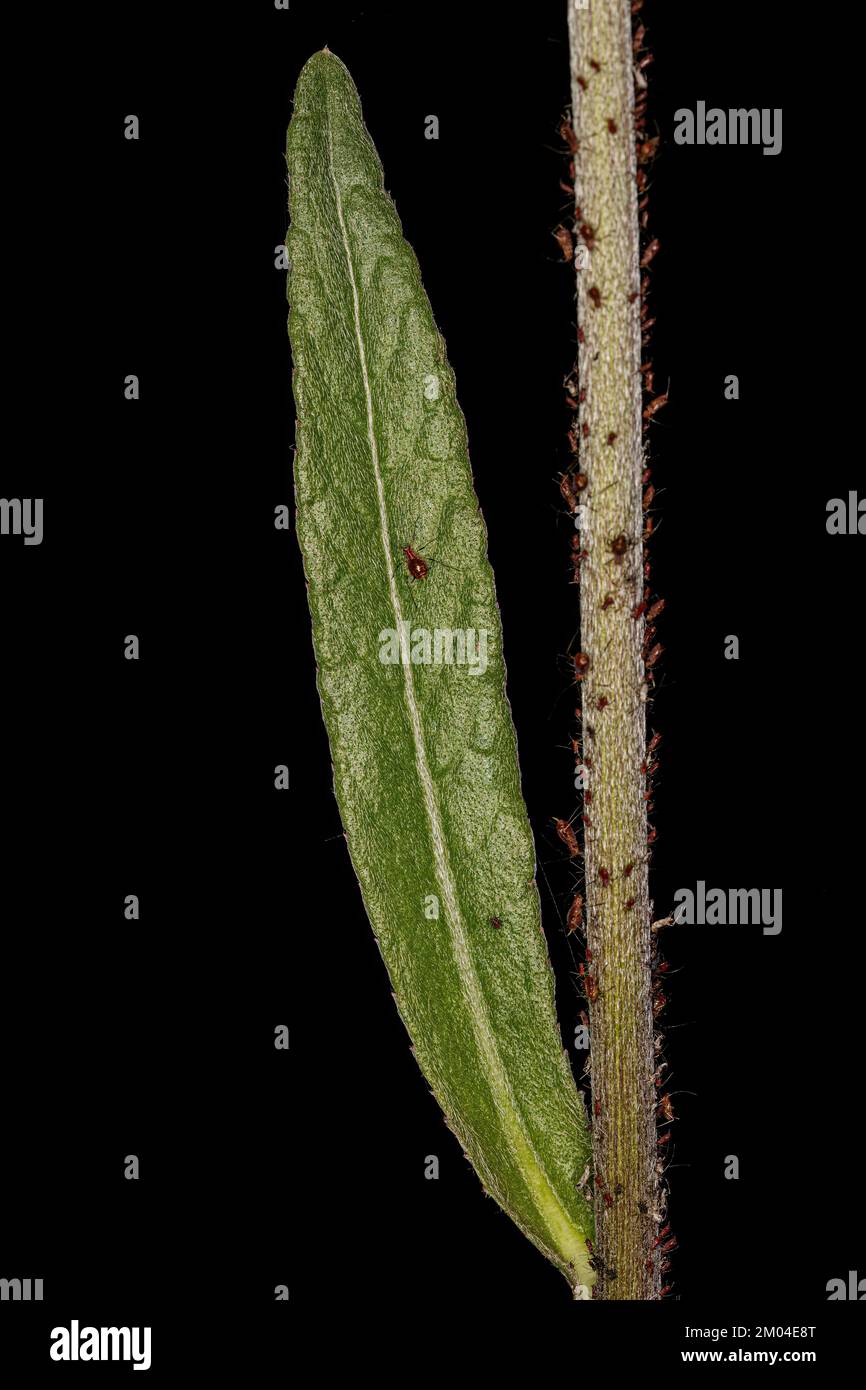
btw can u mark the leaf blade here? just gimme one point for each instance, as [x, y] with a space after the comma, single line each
[430, 784]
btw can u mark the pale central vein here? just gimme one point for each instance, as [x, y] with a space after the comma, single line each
[554, 1214]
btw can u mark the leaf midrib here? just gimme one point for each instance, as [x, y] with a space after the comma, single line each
[556, 1218]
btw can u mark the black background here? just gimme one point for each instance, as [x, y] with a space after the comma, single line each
[156, 777]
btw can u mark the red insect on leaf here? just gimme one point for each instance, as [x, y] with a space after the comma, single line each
[416, 564]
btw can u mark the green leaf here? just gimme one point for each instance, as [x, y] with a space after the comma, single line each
[424, 751]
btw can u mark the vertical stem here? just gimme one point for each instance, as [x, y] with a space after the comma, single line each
[611, 586]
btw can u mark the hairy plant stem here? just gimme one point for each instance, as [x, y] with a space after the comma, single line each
[613, 692]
